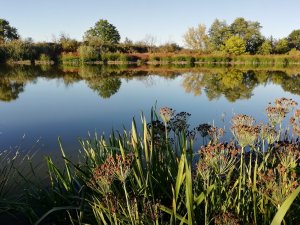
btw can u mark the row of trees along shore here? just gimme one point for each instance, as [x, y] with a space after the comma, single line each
[221, 43]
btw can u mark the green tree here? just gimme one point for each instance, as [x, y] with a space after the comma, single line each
[169, 47]
[7, 32]
[265, 48]
[20, 50]
[218, 33]
[248, 31]
[196, 38]
[235, 46]
[282, 46]
[294, 39]
[87, 53]
[68, 44]
[103, 33]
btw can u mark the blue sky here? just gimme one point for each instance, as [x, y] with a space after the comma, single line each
[166, 20]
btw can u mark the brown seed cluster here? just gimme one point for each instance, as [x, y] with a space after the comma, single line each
[179, 122]
[245, 134]
[288, 154]
[215, 133]
[166, 114]
[276, 113]
[295, 122]
[217, 158]
[113, 167]
[152, 210]
[241, 119]
[268, 133]
[277, 183]
[203, 129]
[226, 218]
[111, 202]
[158, 129]
[286, 104]
[281, 179]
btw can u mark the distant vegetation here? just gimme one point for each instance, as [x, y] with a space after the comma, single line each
[238, 42]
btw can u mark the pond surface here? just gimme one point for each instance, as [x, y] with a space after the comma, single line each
[39, 104]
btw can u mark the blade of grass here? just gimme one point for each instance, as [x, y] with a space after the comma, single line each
[278, 218]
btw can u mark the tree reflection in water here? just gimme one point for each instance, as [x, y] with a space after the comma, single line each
[232, 83]
[105, 87]
[236, 84]
[10, 91]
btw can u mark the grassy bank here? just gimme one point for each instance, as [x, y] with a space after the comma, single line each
[181, 59]
[156, 175]
[19, 52]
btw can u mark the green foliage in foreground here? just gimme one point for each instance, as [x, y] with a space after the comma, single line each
[152, 175]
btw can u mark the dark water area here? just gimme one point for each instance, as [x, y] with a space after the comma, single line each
[40, 104]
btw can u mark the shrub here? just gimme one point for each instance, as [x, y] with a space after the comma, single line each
[70, 57]
[45, 58]
[20, 50]
[53, 50]
[115, 57]
[183, 59]
[88, 53]
[3, 55]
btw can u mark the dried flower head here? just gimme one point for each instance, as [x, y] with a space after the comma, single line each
[112, 168]
[166, 114]
[277, 183]
[215, 133]
[226, 218]
[288, 154]
[179, 122]
[286, 104]
[190, 134]
[152, 210]
[217, 159]
[277, 112]
[245, 134]
[268, 133]
[241, 119]
[203, 129]
[295, 122]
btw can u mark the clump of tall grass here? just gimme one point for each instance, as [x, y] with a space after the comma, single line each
[70, 58]
[157, 174]
[116, 58]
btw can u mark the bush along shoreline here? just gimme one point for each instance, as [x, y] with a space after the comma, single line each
[153, 175]
[180, 59]
[17, 52]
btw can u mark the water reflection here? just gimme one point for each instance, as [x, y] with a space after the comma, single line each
[105, 87]
[236, 84]
[232, 83]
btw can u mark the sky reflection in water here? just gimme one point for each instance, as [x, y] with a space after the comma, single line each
[44, 104]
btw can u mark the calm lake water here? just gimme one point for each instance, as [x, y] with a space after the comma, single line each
[38, 104]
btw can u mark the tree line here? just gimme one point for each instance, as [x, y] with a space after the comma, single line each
[239, 37]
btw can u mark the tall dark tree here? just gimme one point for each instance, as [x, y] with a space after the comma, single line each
[218, 33]
[103, 33]
[294, 39]
[282, 46]
[7, 32]
[248, 31]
